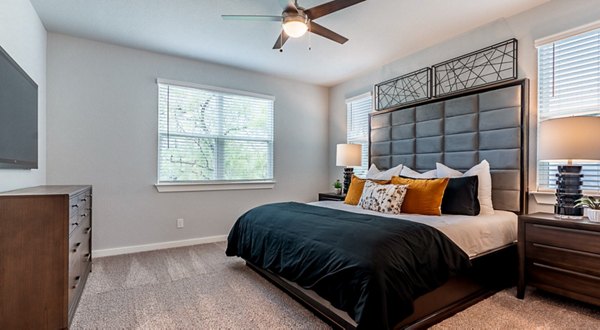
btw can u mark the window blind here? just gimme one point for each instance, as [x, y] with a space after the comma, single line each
[357, 117]
[569, 85]
[213, 135]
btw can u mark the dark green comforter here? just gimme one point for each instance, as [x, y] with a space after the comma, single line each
[369, 266]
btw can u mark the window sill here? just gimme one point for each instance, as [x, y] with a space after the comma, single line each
[216, 186]
[548, 197]
[544, 197]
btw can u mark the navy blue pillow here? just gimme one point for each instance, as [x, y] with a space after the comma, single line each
[460, 196]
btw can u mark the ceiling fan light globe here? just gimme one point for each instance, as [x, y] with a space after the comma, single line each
[295, 28]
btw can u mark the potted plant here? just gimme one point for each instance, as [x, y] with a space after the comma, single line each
[338, 187]
[593, 207]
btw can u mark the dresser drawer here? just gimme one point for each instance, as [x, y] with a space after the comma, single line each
[581, 261]
[79, 219]
[570, 238]
[78, 208]
[564, 281]
[79, 239]
[79, 257]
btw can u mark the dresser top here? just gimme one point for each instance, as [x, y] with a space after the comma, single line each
[46, 190]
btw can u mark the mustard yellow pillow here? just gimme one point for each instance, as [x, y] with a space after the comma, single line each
[356, 188]
[424, 196]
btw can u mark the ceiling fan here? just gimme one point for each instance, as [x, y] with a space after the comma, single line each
[296, 21]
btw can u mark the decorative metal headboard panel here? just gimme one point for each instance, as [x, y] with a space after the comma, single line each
[483, 67]
[460, 131]
[404, 90]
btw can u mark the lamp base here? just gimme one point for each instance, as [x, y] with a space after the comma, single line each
[348, 172]
[568, 191]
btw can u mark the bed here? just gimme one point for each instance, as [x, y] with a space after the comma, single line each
[459, 131]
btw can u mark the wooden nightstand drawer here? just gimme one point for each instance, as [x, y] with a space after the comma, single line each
[561, 256]
[581, 261]
[564, 281]
[575, 239]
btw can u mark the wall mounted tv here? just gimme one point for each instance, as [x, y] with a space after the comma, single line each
[18, 116]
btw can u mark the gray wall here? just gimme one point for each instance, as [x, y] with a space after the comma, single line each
[23, 36]
[548, 19]
[102, 130]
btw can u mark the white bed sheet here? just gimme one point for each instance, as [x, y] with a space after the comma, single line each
[475, 235]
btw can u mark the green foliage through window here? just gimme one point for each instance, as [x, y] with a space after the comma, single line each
[211, 135]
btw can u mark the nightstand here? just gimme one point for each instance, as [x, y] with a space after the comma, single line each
[331, 196]
[559, 256]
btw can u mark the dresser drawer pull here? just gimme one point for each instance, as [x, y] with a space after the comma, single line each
[579, 231]
[87, 230]
[74, 223]
[88, 257]
[77, 278]
[76, 247]
[74, 205]
[595, 278]
[84, 199]
[84, 215]
[588, 254]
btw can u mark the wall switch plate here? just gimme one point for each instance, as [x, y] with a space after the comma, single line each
[179, 223]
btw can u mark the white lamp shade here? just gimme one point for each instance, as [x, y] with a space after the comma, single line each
[570, 138]
[348, 155]
[295, 27]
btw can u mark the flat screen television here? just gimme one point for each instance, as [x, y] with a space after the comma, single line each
[18, 116]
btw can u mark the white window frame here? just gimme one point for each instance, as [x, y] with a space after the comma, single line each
[545, 194]
[215, 185]
[365, 140]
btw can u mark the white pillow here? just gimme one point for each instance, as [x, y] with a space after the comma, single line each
[385, 198]
[409, 173]
[484, 189]
[375, 174]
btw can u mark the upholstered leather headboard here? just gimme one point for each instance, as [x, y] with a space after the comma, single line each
[461, 131]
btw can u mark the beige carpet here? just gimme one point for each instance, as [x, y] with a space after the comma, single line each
[539, 310]
[198, 287]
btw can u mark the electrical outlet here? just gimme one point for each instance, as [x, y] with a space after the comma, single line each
[180, 223]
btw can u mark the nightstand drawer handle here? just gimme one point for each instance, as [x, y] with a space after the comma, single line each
[595, 278]
[587, 254]
[579, 231]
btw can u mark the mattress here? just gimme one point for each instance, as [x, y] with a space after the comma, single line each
[475, 235]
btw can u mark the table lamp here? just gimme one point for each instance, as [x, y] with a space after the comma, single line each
[568, 139]
[348, 155]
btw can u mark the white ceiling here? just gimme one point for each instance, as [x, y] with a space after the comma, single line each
[379, 31]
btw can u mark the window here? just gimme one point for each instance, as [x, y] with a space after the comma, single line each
[569, 85]
[357, 117]
[212, 135]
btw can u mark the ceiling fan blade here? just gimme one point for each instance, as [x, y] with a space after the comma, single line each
[329, 7]
[327, 33]
[252, 18]
[281, 39]
[285, 4]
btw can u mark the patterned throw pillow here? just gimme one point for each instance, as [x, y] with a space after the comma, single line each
[385, 198]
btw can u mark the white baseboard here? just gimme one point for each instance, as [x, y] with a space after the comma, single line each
[157, 246]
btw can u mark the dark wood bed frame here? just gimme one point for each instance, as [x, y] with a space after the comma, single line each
[490, 273]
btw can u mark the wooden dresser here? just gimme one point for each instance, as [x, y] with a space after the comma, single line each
[560, 256]
[45, 255]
